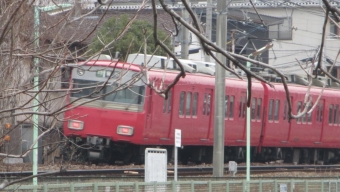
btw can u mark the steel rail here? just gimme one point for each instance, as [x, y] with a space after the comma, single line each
[181, 170]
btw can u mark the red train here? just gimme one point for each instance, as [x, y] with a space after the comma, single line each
[119, 120]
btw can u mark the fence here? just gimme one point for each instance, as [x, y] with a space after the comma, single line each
[193, 186]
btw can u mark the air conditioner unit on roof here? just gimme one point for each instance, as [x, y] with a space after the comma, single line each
[155, 61]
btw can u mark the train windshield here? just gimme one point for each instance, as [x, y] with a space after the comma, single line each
[115, 93]
[118, 86]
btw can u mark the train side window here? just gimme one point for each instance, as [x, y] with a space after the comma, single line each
[317, 112]
[309, 116]
[231, 108]
[165, 105]
[303, 117]
[259, 102]
[187, 104]
[299, 110]
[169, 101]
[194, 105]
[181, 103]
[321, 113]
[240, 107]
[276, 112]
[206, 105]
[244, 107]
[336, 108]
[285, 110]
[226, 98]
[338, 118]
[330, 115]
[270, 110]
[209, 106]
[253, 106]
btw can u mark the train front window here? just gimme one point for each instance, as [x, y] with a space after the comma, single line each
[87, 89]
[131, 94]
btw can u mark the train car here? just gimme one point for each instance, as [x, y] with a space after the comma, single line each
[117, 121]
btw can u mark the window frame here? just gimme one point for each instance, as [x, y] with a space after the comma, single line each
[281, 31]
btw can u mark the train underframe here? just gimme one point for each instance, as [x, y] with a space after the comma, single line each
[102, 150]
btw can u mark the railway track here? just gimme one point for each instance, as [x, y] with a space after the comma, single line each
[183, 171]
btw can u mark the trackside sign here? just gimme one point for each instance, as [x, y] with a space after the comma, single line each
[178, 138]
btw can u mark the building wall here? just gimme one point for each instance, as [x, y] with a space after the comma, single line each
[307, 25]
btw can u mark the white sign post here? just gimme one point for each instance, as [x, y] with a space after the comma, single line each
[178, 143]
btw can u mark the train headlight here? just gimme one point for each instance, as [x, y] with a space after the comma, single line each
[75, 124]
[124, 130]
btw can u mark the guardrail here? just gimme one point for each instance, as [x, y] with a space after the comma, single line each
[193, 186]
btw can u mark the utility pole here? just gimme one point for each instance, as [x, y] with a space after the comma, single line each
[35, 117]
[36, 89]
[77, 8]
[221, 40]
[208, 21]
[185, 35]
[248, 145]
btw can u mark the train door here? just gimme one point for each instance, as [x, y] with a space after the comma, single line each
[158, 117]
[319, 128]
[238, 130]
[276, 128]
[192, 112]
[148, 115]
[306, 129]
[285, 124]
[207, 114]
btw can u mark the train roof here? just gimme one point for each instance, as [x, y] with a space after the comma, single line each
[205, 79]
[112, 64]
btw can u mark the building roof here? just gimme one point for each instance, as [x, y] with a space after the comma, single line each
[239, 15]
[176, 4]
